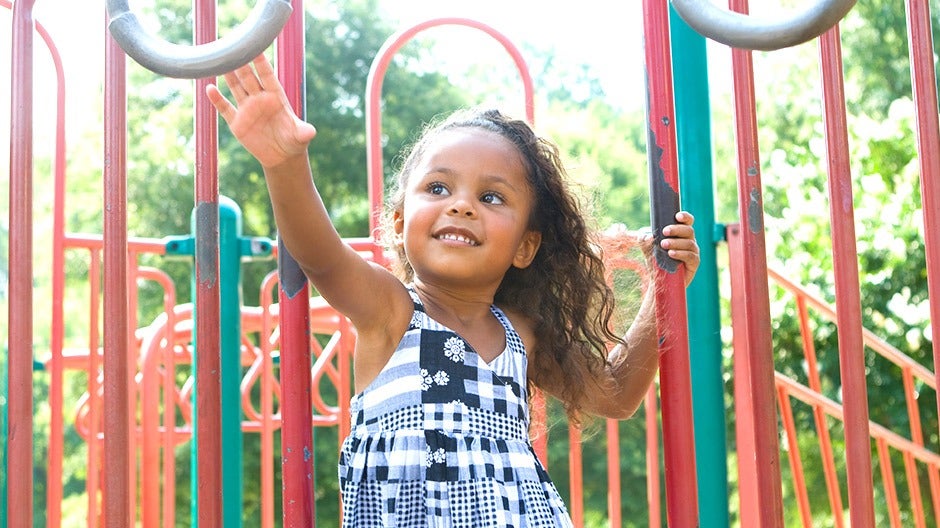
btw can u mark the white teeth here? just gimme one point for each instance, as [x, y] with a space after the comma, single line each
[457, 238]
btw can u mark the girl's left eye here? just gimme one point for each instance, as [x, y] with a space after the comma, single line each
[492, 198]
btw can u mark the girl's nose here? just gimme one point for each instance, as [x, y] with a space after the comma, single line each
[462, 207]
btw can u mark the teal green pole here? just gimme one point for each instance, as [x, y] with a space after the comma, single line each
[232, 249]
[230, 230]
[696, 190]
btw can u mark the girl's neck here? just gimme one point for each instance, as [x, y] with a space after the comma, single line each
[455, 306]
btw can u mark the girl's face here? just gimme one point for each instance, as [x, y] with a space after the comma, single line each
[466, 210]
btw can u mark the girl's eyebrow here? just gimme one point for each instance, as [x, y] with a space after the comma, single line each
[496, 180]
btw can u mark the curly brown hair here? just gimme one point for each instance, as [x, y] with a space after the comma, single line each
[563, 291]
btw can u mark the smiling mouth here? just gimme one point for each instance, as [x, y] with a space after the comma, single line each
[453, 237]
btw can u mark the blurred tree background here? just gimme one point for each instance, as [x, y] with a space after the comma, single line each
[605, 146]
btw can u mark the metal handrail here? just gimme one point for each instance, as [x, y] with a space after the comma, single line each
[248, 40]
[740, 30]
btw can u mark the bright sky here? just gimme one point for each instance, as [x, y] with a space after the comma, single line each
[604, 34]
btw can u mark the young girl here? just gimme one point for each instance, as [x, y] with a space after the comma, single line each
[501, 288]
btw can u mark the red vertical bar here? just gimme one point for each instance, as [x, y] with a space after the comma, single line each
[344, 365]
[267, 406]
[748, 475]
[55, 367]
[674, 369]
[576, 477]
[796, 460]
[117, 481]
[613, 472]
[93, 482]
[296, 403]
[132, 352]
[169, 423]
[924, 81]
[652, 460]
[887, 479]
[208, 303]
[848, 296]
[20, 339]
[758, 344]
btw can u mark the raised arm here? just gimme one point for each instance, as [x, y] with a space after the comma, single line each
[262, 120]
[632, 367]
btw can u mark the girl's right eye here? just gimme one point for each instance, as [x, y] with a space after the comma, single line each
[437, 188]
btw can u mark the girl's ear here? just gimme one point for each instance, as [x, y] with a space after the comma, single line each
[398, 224]
[528, 248]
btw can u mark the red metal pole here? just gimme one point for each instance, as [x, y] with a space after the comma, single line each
[652, 460]
[743, 405]
[674, 368]
[575, 477]
[93, 483]
[267, 405]
[208, 302]
[613, 472]
[758, 343]
[848, 296]
[20, 339]
[296, 404]
[117, 481]
[924, 83]
[55, 365]
[169, 419]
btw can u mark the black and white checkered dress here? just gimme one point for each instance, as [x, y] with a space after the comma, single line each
[440, 439]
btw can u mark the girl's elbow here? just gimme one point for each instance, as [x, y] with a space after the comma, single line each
[619, 410]
[626, 412]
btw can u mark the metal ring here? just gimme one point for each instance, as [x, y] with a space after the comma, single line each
[248, 40]
[743, 31]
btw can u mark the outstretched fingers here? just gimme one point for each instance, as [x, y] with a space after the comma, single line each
[235, 86]
[247, 79]
[242, 83]
[265, 71]
[222, 105]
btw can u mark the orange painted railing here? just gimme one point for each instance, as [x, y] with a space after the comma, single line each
[914, 378]
[911, 448]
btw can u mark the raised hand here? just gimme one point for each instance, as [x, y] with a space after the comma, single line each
[262, 119]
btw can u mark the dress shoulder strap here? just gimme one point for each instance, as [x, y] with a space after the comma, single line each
[513, 341]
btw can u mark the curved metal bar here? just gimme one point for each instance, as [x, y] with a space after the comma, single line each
[739, 30]
[248, 40]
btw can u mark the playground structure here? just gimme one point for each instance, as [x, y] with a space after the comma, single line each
[133, 367]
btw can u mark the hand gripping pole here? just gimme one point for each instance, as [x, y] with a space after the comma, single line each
[236, 49]
[739, 30]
